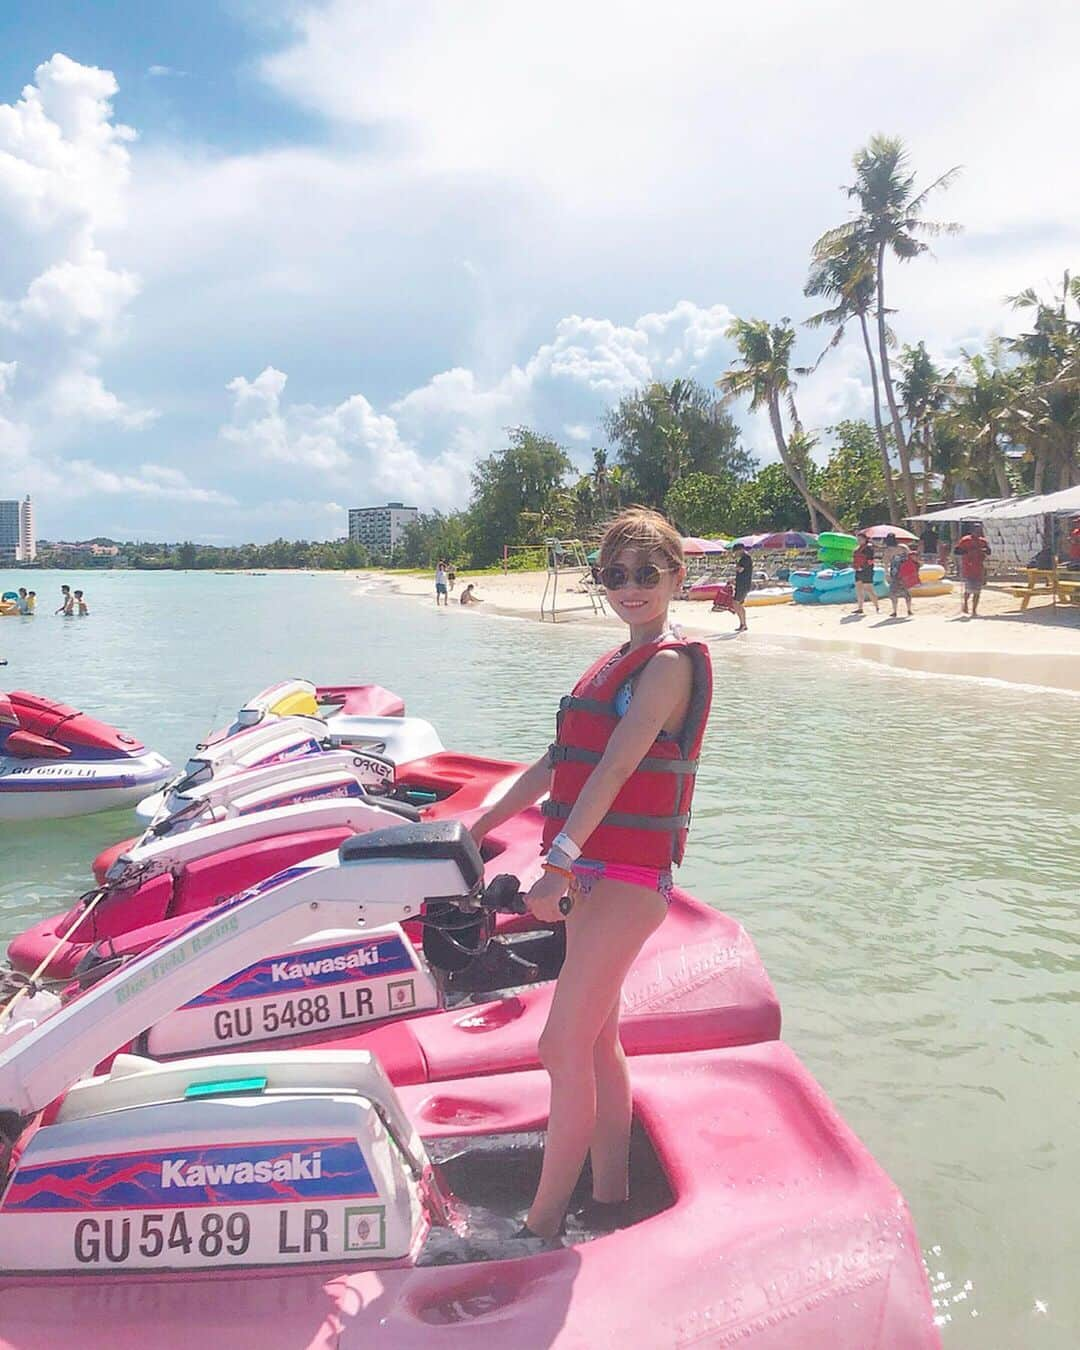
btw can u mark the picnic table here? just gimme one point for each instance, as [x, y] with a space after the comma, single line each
[1050, 582]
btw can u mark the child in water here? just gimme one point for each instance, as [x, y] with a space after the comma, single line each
[607, 869]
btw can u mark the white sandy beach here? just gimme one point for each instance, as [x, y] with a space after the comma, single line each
[1040, 647]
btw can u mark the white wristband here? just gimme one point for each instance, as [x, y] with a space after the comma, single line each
[566, 846]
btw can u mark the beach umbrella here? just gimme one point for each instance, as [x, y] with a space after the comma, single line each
[690, 544]
[751, 540]
[882, 531]
[717, 545]
[786, 539]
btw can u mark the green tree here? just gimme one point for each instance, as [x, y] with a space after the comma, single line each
[982, 394]
[185, 555]
[1047, 411]
[516, 494]
[923, 392]
[666, 431]
[702, 503]
[890, 220]
[852, 480]
[846, 277]
[762, 372]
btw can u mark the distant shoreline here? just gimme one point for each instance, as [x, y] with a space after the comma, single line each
[1039, 649]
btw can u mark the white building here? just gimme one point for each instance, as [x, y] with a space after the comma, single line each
[380, 528]
[17, 540]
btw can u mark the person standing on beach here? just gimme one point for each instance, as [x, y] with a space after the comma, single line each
[973, 551]
[441, 593]
[898, 568]
[744, 577]
[613, 832]
[67, 603]
[863, 562]
[451, 577]
[1074, 545]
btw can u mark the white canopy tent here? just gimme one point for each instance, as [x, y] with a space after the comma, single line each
[1066, 502]
[1018, 529]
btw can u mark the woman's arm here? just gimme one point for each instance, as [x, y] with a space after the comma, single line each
[529, 788]
[662, 689]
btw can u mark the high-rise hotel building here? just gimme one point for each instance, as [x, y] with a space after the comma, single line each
[17, 540]
[380, 528]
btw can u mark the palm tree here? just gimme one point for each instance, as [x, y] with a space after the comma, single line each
[982, 396]
[1048, 411]
[846, 277]
[890, 220]
[764, 373]
[600, 478]
[923, 392]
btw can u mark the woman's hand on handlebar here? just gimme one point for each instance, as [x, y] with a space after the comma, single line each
[543, 897]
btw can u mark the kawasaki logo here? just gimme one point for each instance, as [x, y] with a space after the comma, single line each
[296, 1167]
[325, 965]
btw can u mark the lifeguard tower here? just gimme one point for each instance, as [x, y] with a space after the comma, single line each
[567, 562]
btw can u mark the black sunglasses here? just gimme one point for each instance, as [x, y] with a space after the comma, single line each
[615, 577]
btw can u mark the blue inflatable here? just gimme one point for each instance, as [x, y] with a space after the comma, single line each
[832, 586]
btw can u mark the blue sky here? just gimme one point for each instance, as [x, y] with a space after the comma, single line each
[267, 261]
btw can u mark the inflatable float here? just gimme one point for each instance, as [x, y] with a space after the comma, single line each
[928, 588]
[769, 595]
[756, 1216]
[56, 762]
[835, 550]
[832, 586]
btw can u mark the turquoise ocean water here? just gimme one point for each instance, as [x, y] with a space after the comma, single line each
[902, 849]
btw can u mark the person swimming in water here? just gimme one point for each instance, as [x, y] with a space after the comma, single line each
[613, 832]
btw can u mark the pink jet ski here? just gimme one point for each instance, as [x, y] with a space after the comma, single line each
[290, 721]
[151, 885]
[756, 1217]
[56, 761]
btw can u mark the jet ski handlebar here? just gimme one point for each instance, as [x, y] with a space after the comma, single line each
[503, 895]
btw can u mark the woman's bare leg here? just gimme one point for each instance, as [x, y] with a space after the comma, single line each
[605, 932]
[609, 1149]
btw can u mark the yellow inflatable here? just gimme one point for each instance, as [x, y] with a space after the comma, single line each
[775, 595]
[931, 572]
[932, 588]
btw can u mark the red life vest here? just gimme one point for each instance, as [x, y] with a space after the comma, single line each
[647, 822]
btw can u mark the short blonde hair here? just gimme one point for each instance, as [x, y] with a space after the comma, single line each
[644, 531]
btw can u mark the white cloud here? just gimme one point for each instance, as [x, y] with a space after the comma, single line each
[64, 173]
[499, 191]
[425, 444]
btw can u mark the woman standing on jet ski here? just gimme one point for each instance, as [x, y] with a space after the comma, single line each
[619, 780]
